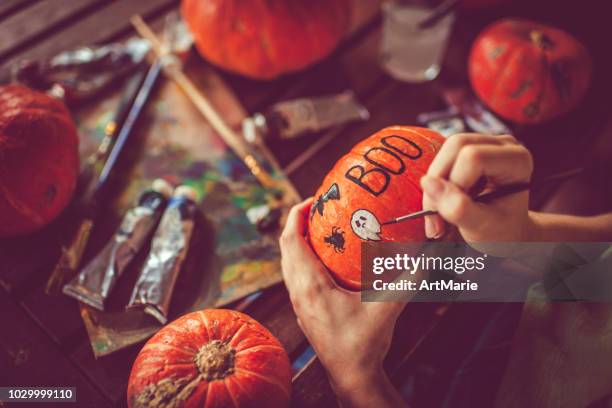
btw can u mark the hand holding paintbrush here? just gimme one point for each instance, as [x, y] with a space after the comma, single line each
[500, 192]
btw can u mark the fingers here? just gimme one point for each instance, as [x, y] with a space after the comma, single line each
[434, 224]
[302, 271]
[446, 157]
[464, 159]
[454, 205]
[500, 165]
[296, 220]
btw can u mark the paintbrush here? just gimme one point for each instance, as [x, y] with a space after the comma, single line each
[112, 128]
[495, 194]
[72, 254]
[173, 70]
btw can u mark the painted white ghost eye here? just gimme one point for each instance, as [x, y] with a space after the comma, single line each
[365, 225]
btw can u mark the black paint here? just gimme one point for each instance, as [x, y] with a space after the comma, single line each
[391, 149]
[336, 239]
[333, 193]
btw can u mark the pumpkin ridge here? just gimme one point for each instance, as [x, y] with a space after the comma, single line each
[231, 394]
[257, 347]
[238, 384]
[263, 378]
[231, 341]
[204, 321]
[167, 346]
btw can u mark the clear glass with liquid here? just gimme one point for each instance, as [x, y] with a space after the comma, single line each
[409, 53]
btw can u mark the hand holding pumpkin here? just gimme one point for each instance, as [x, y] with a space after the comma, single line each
[350, 338]
[462, 162]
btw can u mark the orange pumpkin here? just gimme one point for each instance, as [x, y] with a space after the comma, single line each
[265, 39]
[211, 359]
[39, 159]
[528, 72]
[377, 181]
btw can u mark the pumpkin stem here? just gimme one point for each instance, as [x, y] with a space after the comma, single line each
[215, 360]
[540, 39]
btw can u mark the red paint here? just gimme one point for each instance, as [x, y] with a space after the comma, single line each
[265, 39]
[382, 175]
[169, 366]
[529, 72]
[39, 159]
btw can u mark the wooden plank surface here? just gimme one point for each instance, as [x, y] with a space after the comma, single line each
[29, 358]
[106, 23]
[8, 7]
[33, 22]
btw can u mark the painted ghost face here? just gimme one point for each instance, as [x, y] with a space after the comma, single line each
[365, 225]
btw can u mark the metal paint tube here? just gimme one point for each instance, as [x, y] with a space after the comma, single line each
[290, 119]
[95, 282]
[153, 290]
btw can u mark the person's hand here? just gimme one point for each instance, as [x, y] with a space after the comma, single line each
[463, 162]
[350, 338]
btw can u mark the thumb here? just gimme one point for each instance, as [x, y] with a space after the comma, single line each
[453, 204]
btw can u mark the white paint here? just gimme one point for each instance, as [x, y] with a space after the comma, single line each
[365, 225]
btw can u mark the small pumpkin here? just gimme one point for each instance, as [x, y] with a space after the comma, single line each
[265, 39]
[528, 72]
[377, 181]
[213, 358]
[39, 159]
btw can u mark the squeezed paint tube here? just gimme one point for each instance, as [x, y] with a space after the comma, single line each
[290, 119]
[447, 122]
[476, 116]
[95, 282]
[153, 290]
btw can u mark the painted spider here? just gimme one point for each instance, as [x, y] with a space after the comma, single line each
[336, 239]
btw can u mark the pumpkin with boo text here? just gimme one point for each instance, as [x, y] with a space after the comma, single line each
[212, 358]
[265, 39]
[39, 159]
[528, 72]
[377, 181]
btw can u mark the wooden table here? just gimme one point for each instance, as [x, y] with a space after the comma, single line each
[42, 338]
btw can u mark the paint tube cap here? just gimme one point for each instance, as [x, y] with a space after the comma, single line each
[187, 192]
[162, 187]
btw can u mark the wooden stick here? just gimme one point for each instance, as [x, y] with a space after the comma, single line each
[172, 68]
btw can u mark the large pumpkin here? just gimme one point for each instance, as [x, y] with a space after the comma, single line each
[211, 359]
[264, 39]
[528, 72]
[39, 159]
[377, 181]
